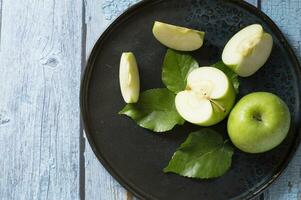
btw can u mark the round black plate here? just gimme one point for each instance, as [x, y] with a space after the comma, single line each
[135, 156]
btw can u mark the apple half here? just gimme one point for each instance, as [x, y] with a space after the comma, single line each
[129, 78]
[178, 38]
[208, 98]
[248, 50]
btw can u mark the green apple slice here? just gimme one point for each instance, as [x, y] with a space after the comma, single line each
[208, 98]
[178, 38]
[248, 50]
[129, 78]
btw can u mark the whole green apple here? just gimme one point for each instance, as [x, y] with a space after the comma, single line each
[208, 97]
[259, 122]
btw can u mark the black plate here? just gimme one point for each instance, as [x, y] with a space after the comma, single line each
[135, 156]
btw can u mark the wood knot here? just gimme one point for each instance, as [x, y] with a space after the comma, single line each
[51, 62]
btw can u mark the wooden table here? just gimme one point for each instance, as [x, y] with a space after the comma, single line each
[43, 48]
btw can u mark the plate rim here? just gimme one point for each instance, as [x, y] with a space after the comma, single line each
[86, 75]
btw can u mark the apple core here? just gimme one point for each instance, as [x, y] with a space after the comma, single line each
[208, 97]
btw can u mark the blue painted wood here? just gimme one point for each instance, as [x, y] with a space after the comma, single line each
[40, 65]
[253, 2]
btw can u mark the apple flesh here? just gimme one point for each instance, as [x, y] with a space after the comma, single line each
[248, 50]
[208, 98]
[178, 38]
[129, 78]
[258, 122]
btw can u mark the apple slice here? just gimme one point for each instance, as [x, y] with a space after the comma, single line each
[248, 50]
[208, 98]
[129, 78]
[178, 38]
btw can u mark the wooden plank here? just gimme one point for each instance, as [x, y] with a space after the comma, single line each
[287, 15]
[98, 182]
[40, 65]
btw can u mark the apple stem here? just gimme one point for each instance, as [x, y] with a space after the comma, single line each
[257, 117]
[218, 105]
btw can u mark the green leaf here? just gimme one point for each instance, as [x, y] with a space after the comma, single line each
[204, 155]
[155, 110]
[176, 67]
[231, 75]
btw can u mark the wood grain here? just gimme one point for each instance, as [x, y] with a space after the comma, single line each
[0, 20]
[40, 69]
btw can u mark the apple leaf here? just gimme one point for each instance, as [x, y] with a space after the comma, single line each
[231, 75]
[155, 110]
[203, 155]
[176, 67]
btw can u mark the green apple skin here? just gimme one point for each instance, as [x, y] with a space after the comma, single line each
[259, 122]
[227, 102]
[177, 37]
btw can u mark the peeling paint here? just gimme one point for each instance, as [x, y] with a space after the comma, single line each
[4, 119]
[113, 8]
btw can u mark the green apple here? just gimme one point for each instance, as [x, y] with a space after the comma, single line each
[248, 50]
[258, 122]
[178, 38]
[129, 78]
[208, 98]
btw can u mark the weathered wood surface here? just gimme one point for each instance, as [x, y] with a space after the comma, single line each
[43, 46]
[40, 66]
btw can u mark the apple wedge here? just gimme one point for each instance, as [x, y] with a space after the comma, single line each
[248, 50]
[129, 78]
[178, 38]
[208, 98]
